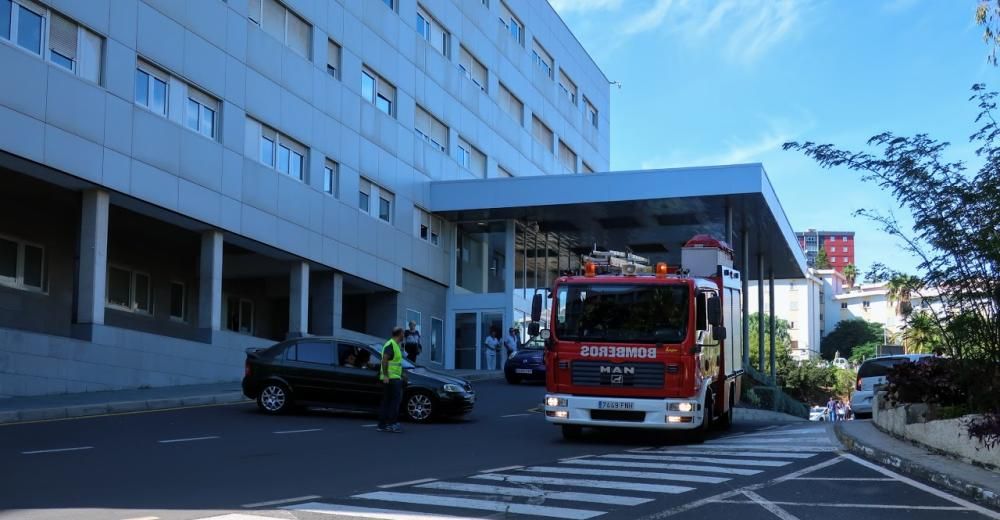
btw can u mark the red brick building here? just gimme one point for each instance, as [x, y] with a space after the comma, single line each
[839, 247]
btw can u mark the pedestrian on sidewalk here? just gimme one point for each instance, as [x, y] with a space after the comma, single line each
[848, 411]
[841, 411]
[831, 410]
[411, 342]
[391, 375]
[512, 343]
[492, 345]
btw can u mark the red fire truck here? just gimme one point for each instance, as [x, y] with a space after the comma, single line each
[658, 350]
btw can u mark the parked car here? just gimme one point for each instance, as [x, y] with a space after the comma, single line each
[817, 413]
[841, 363]
[343, 374]
[527, 364]
[871, 374]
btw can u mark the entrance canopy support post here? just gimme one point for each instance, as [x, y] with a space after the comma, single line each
[771, 326]
[745, 277]
[760, 312]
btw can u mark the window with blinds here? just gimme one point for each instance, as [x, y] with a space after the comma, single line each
[63, 41]
[587, 168]
[430, 129]
[512, 106]
[542, 59]
[472, 68]
[287, 27]
[333, 59]
[378, 91]
[591, 112]
[432, 31]
[567, 87]
[541, 133]
[567, 157]
[68, 44]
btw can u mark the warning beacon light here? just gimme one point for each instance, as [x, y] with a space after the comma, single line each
[661, 270]
[589, 269]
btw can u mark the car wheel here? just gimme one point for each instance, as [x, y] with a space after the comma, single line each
[572, 432]
[513, 379]
[419, 407]
[274, 398]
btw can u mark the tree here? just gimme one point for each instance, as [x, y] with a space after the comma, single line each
[821, 262]
[956, 225]
[782, 341]
[851, 273]
[901, 288]
[865, 351]
[849, 334]
[988, 16]
[920, 335]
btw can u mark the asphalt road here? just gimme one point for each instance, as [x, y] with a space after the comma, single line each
[501, 461]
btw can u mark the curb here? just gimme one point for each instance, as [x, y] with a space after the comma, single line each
[969, 490]
[85, 410]
[756, 415]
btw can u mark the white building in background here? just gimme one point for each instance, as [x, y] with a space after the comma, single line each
[870, 302]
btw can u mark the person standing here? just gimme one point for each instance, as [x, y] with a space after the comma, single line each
[513, 341]
[492, 345]
[831, 410]
[411, 342]
[841, 411]
[391, 375]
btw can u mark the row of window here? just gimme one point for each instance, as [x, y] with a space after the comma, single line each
[833, 249]
[131, 290]
[169, 96]
[52, 36]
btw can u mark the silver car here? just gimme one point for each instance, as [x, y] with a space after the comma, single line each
[871, 374]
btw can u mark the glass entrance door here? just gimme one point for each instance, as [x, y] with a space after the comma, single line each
[491, 323]
[471, 330]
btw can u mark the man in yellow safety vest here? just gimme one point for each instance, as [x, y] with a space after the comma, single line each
[391, 375]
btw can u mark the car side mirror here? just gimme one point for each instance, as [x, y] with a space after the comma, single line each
[536, 307]
[719, 332]
[715, 312]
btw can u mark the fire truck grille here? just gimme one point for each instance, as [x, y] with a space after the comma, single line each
[617, 415]
[606, 373]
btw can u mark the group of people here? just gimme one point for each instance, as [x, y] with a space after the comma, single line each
[837, 410]
[494, 345]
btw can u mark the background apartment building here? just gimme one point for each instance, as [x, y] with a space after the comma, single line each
[186, 179]
[839, 247]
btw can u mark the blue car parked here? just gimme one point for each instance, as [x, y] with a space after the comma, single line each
[527, 364]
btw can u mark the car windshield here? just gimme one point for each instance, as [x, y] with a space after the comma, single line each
[634, 313]
[535, 344]
[377, 356]
[879, 367]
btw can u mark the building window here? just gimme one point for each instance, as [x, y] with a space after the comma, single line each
[239, 315]
[542, 59]
[333, 59]
[431, 129]
[151, 88]
[866, 304]
[178, 304]
[587, 168]
[845, 260]
[331, 178]
[391, 4]
[201, 110]
[22, 264]
[368, 191]
[364, 195]
[432, 31]
[512, 106]
[843, 305]
[844, 249]
[567, 87]
[275, 150]
[378, 91]
[472, 68]
[503, 172]
[470, 158]
[591, 112]
[541, 133]
[567, 158]
[68, 44]
[385, 200]
[513, 25]
[128, 290]
[276, 20]
[844, 239]
[791, 325]
[427, 226]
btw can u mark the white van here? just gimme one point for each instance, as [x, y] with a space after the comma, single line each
[872, 373]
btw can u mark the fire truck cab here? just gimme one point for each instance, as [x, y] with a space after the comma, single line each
[633, 347]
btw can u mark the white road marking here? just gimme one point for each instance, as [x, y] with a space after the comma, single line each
[763, 439]
[858, 479]
[368, 425]
[280, 501]
[515, 415]
[720, 453]
[765, 447]
[843, 505]
[407, 483]
[537, 493]
[505, 468]
[923, 487]
[652, 475]
[710, 460]
[770, 506]
[238, 516]
[367, 512]
[57, 450]
[576, 458]
[143, 518]
[661, 465]
[486, 505]
[189, 439]
[587, 483]
[298, 431]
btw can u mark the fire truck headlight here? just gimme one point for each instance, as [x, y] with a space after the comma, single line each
[555, 401]
[681, 407]
[562, 414]
[673, 419]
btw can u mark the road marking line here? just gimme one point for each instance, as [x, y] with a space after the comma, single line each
[728, 494]
[515, 415]
[587, 483]
[923, 487]
[407, 483]
[575, 458]
[860, 479]
[505, 468]
[112, 414]
[774, 447]
[711, 460]
[764, 439]
[486, 505]
[368, 425]
[660, 465]
[281, 501]
[652, 475]
[770, 506]
[537, 493]
[143, 518]
[56, 450]
[367, 512]
[298, 431]
[189, 439]
[858, 506]
[719, 453]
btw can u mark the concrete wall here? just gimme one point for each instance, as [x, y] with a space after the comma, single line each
[428, 298]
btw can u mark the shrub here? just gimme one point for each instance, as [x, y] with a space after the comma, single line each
[985, 429]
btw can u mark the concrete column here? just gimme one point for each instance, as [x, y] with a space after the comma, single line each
[93, 257]
[210, 281]
[324, 303]
[745, 277]
[760, 312]
[298, 300]
[338, 302]
[771, 324]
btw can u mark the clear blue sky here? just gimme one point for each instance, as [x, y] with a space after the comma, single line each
[729, 81]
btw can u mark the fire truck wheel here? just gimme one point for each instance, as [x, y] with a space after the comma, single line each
[701, 433]
[725, 421]
[572, 432]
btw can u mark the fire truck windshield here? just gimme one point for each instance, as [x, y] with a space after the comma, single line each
[639, 313]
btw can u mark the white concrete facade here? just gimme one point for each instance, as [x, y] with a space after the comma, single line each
[796, 301]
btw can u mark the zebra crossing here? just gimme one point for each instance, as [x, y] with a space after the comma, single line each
[585, 487]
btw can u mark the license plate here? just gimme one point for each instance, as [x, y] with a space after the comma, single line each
[522, 371]
[615, 405]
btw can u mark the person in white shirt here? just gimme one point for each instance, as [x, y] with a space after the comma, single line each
[512, 342]
[492, 345]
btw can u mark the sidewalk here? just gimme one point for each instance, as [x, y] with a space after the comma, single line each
[62, 406]
[973, 482]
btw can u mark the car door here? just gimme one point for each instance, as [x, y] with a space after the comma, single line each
[309, 369]
[351, 375]
[370, 389]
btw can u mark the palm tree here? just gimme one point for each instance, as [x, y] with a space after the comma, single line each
[851, 273]
[901, 287]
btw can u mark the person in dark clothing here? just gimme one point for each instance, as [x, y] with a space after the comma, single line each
[411, 342]
[392, 376]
